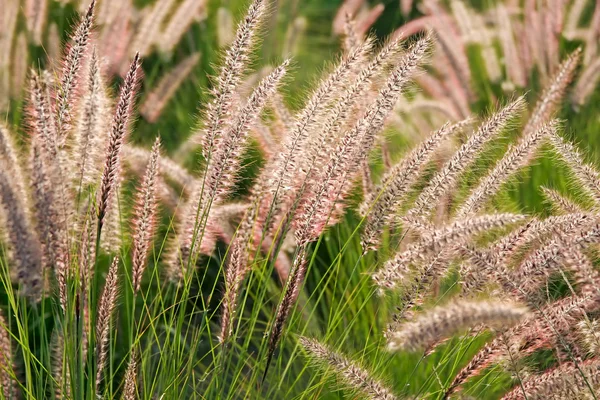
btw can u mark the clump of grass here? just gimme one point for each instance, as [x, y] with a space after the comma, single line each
[138, 322]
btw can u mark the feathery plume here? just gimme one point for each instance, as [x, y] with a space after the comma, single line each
[55, 250]
[130, 386]
[41, 113]
[351, 38]
[444, 180]
[236, 61]
[106, 307]
[355, 377]
[554, 93]
[530, 273]
[235, 272]
[354, 147]
[70, 73]
[533, 231]
[450, 319]
[185, 14]
[588, 330]
[114, 226]
[35, 16]
[225, 27]
[91, 126]
[221, 172]
[25, 245]
[292, 290]
[19, 66]
[586, 175]
[159, 97]
[8, 153]
[513, 61]
[451, 235]
[52, 211]
[53, 46]
[145, 218]
[586, 84]
[294, 143]
[381, 204]
[568, 381]
[147, 32]
[168, 168]
[6, 361]
[515, 157]
[321, 145]
[225, 160]
[480, 361]
[559, 202]
[118, 134]
[60, 368]
[584, 274]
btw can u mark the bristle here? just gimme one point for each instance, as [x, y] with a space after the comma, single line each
[53, 44]
[130, 384]
[236, 61]
[147, 33]
[220, 176]
[292, 290]
[380, 206]
[446, 179]
[225, 27]
[60, 368]
[553, 95]
[559, 202]
[8, 153]
[235, 273]
[293, 145]
[444, 321]
[568, 381]
[515, 157]
[106, 307]
[19, 66]
[7, 385]
[479, 362]
[26, 248]
[353, 149]
[145, 218]
[118, 135]
[70, 73]
[36, 16]
[186, 13]
[167, 166]
[589, 332]
[355, 377]
[452, 235]
[586, 175]
[91, 127]
[159, 97]
[49, 223]
[322, 145]
[512, 60]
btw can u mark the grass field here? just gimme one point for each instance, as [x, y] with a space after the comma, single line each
[288, 258]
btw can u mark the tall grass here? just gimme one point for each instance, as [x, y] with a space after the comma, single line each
[126, 275]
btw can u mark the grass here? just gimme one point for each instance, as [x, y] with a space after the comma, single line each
[171, 330]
